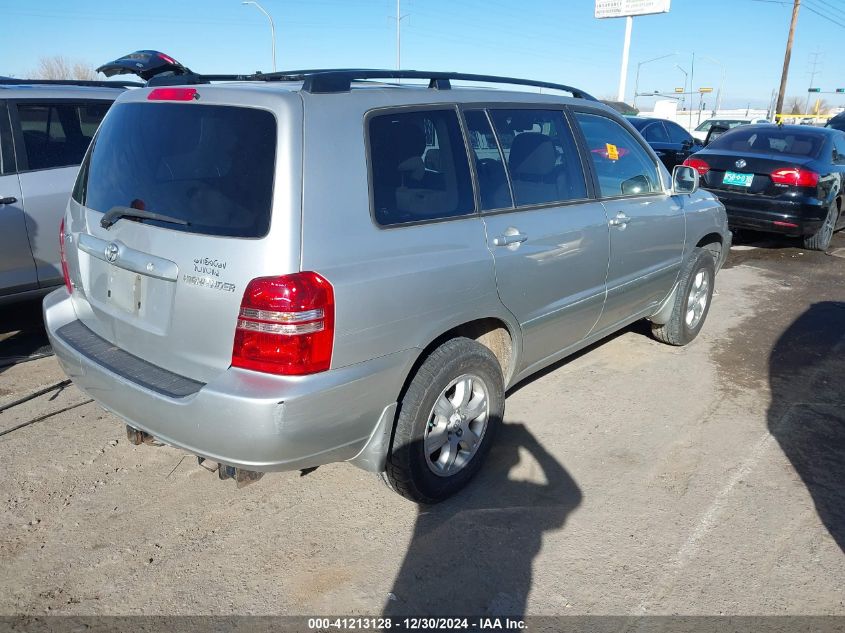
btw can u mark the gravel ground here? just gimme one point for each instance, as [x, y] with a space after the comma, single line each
[634, 478]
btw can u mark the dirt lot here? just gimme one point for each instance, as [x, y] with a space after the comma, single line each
[634, 478]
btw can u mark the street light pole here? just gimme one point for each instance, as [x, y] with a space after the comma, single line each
[640, 65]
[272, 27]
[721, 82]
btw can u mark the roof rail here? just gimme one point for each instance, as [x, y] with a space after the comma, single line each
[70, 82]
[340, 80]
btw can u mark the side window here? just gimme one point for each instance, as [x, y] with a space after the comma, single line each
[839, 149]
[489, 163]
[419, 167]
[7, 154]
[622, 165]
[57, 135]
[677, 134]
[655, 133]
[541, 156]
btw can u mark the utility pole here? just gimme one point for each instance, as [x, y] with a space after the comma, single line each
[623, 74]
[399, 18]
[786, 56]
[812, 73]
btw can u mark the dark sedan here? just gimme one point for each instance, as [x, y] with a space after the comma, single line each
[672, 143]
[780, 179]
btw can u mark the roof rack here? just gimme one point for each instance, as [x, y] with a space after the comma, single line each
[70, 82]
[340, 80]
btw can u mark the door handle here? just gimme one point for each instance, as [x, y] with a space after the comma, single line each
[508, 239]
[621, 220]
[8, 200]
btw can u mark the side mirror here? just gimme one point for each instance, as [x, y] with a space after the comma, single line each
[684, 180]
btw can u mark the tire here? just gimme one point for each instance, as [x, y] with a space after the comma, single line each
[430, 412]
[695, 288]
[821, 239]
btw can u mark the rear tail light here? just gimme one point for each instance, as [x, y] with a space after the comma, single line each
[286, 325]
[63, 255]
[698, 165]
[173, 94]
[795, 176]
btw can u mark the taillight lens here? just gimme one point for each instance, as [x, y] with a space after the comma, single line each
[698, 165]
[63, 255]
[795, 177]
[286, 325]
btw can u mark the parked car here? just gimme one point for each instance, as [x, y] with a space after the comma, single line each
[672, 143]
[700, 132]
[45, 128]
[780, 179]
[284, 271]
[837, 122]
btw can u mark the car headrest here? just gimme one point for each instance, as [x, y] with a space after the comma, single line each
[532, 154]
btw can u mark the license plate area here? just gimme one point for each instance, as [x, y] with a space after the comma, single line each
[124, 290]
[737, 179]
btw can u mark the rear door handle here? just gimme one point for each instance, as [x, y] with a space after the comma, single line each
[621, 220]
[8, 200]
[509, 238]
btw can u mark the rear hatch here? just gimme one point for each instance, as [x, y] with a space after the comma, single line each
[169, 290]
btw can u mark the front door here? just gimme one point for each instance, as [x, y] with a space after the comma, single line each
[647, 226]
[548, 239]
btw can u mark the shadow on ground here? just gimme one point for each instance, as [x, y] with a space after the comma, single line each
[473, 554]
[22, 334]
[807, 412]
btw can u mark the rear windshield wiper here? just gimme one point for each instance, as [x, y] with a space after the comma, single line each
[115, 213]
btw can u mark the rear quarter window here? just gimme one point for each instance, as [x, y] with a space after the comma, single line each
[418, 167]
[210, 165]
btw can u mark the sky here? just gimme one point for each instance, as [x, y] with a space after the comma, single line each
[557, 41]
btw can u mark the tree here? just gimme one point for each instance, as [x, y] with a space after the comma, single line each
[794, 105]
[59, 67]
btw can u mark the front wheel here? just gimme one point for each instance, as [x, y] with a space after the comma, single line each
[692, 300]
[446, 423]
[821, 239]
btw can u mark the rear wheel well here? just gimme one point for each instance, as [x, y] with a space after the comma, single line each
[491, 332]
[712, 243]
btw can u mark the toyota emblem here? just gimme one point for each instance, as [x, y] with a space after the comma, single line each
[111, 252]
[741, 163]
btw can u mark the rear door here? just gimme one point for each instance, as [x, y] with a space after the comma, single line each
[17, 269]
[548, 238]
[52, 137]
[647, 226]
[170, 292]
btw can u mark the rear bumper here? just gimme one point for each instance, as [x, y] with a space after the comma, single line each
[789, 217]
[247, 419]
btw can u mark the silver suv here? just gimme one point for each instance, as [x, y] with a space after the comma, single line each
[287, 270]
[45, 129]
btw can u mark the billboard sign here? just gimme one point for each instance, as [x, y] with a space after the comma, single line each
[623, 8]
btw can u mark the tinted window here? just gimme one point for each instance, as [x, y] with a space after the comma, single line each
[419, 167]
[541, 156]
[7, 155]
[839, 149]
[57, 135]
[489, 164]
[677, 134]
[622, 165]
[210, 165]
[655, 133]
[779, 141]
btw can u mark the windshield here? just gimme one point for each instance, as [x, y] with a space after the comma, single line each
[211, 166]
[753, 140]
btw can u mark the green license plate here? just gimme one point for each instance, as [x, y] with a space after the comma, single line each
[738, 180]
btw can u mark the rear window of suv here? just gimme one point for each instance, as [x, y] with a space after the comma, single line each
[209, 165]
